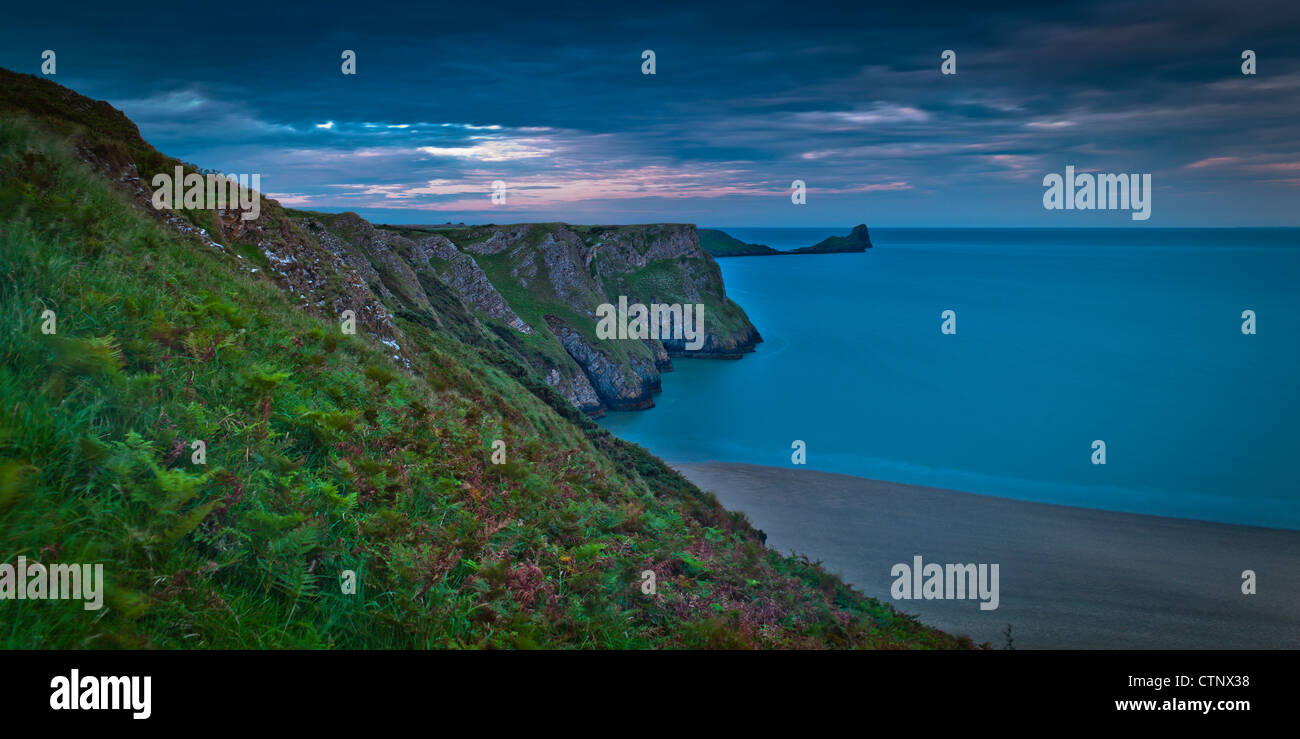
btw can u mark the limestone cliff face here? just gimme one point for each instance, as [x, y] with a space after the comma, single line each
[327, 281]
[556, 276]
[463, 274]
[541, 286]
[405, 269]
[630, 248]
[618, 387]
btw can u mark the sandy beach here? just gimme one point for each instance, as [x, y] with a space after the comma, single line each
[1070, 578]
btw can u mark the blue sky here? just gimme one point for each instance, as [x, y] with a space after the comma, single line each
[748, 97]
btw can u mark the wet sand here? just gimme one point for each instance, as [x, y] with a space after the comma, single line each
[1069, 578]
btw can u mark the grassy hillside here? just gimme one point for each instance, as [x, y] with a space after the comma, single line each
[324, 452]
[722, 244]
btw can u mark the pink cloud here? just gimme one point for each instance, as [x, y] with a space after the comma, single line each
[884, 186]
[1278, 167]
[1212, 162]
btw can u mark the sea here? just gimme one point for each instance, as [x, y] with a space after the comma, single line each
[1061, 339]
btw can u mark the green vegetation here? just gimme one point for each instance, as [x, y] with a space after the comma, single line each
[324, 454]
[665, 277]
[856, 241]
[721, 244]
[533, 302]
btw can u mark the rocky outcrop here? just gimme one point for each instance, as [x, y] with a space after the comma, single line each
[716, 346]
[579, 268]
[619, 387]
[384, 254]
[857, 240]
[720, 244]
[629, 248]
[499, 241]
[577, 389]
[567, 260]
[462, 273]
[547, 281]
[325, 281]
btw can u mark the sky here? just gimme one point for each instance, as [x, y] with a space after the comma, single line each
[551, 100]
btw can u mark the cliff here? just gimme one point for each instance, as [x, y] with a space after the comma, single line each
[538, 286]
[720, 244]
[857, 240]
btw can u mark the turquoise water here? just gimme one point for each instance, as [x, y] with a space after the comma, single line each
[1130, 336]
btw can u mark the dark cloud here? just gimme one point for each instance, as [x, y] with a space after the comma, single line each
[747, 98]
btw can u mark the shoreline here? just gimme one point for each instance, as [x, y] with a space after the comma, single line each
[1070, 578]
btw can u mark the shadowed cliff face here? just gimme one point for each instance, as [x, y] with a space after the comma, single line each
[556, 276]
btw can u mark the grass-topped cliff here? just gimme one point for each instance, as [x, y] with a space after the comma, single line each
[857, 240]
[719, 243]
[722, 244]
[328, 452]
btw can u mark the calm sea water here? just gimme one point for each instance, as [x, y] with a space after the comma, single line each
[1130, 336]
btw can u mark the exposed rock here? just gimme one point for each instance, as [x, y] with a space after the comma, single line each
[619, 387]
[629, 248]
[326, 282]
[577, 389]
[662, 361]
[499, 241]
[463, 274]
[716, 346]
[387, 254]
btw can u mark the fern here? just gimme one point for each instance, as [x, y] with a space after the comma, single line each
[88, 356]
